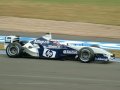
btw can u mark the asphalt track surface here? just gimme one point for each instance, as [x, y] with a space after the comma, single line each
[39, 74]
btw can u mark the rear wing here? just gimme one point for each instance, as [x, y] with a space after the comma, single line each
[13, 38]
[10, 39]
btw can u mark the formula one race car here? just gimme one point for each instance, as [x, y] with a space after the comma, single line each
[46, 47]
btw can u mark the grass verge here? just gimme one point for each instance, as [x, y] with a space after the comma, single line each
[93, 11]
[116, 52]
[1, 46]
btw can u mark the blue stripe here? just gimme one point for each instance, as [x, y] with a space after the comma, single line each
[105, 45]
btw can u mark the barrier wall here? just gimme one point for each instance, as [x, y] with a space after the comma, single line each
[105, 45]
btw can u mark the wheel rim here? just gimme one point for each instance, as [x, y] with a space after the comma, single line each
[85, 55]
[13, 50]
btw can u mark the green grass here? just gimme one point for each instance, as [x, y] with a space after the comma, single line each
[93, 11]
[1, 46]
[96, 2]
[116, 52]
[92, 2]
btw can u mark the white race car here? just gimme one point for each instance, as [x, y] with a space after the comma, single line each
[46, 47]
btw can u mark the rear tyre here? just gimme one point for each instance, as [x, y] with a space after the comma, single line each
[14, 50]
[86, 55]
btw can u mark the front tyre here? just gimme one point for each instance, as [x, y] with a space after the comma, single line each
[86, 55]
[14, 50]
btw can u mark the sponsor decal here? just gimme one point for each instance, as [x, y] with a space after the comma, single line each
[76, 44]
[69, 51]
[101, 59]
[54, 47]
[41, 41]
[49, 53]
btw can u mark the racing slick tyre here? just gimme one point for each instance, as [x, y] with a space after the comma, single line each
[86, 55]
[14, 50]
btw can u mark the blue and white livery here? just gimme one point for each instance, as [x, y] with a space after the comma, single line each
[46, 47]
